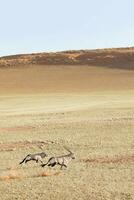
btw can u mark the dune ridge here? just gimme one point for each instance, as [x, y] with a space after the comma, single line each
[115, 57]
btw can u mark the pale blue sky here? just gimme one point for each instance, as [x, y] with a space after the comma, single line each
[54, 25]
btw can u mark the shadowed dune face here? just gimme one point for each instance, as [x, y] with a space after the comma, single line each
[42, 79]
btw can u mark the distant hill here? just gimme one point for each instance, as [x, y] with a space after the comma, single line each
[113, 58]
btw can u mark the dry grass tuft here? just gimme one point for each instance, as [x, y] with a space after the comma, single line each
[48, 173]
[113, 160]
[12, 174]
[12, 146]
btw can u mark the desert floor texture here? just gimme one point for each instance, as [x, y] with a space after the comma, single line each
[88, 109]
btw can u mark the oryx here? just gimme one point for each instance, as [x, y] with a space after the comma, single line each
[35, 157]
[60, 160]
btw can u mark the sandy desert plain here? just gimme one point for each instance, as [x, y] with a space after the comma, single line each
[86, 108]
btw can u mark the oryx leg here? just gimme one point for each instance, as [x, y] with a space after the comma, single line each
[52, 164]
[62, 165]
[41, 161]
[27, 160]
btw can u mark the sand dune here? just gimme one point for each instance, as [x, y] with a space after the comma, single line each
[51, 79]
